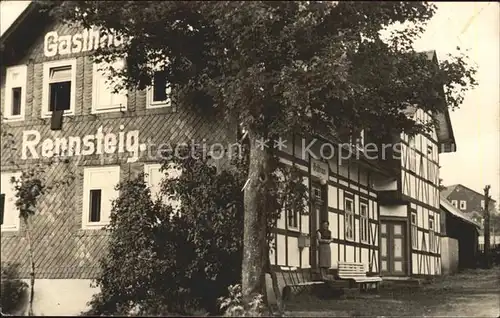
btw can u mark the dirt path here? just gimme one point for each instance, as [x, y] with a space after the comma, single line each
[476, 305]
[469, 294]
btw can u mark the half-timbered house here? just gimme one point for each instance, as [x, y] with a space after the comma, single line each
[56, 103]
[340, 184]
[409, 204]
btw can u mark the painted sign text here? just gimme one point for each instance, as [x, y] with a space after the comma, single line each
[88, 40]
[99, 143]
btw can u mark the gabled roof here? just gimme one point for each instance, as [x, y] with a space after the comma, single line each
[23, 28]
[444, 130]
[450, 208]
[451, 188]
[25, 14]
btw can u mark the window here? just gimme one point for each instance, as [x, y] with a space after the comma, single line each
[95, 205]
[455, 203]
[98, 193]
[463, 205]
[103, 98]
[2, 206]
[357, 138]
[361, 139]
[59, 87]
[413, 160]
[414, 231]
[363, 223]
[293, 219]
[432, 236]
[158, 94]
[349, 219]
[319, 204]
[9, 211]
[482, 204]
[15, 92]
[316, 193]
[429, 150]
[411, 142]
[154, 178]
[293, 215]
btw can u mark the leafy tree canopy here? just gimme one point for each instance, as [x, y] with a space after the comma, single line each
[283, 66]
[280, 67]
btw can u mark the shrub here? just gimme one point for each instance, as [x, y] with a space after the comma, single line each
[232, 306]
[13, 290]
[160, 262]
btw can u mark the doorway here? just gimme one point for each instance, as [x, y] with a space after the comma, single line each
[318, 208]
[393, 260]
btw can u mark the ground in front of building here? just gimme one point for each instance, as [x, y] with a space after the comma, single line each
[473, 293]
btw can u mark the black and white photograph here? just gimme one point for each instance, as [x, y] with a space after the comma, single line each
[250, 158]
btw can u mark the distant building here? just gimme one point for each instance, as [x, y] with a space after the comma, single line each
[467, 200]
[494, 242]
[459, 242]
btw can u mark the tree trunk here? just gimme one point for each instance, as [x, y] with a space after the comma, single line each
[32, 267]
[255, 222]
[276, 289]
[487, 227]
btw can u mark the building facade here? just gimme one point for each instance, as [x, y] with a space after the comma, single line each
[409, 208]
[460, 239]
[468, 201]
[342, 193]
[383, 213]
[104, 138]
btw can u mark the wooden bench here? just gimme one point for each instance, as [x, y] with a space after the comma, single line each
[355, 274]
[296, 280]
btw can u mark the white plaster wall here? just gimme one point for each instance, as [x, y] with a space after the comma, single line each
[449, 255]
[396, 210]
[61, 297]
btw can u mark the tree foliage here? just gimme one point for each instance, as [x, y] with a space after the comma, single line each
[281, 68]
[162, 260]
[13, 290]
[164, 257]
[309, 66]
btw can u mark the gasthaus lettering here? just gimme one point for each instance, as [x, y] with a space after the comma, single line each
[88, 40]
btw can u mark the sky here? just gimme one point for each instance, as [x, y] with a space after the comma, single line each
[473, 26]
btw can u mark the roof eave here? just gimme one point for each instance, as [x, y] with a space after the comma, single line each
[27, 12]
[447, 144]
[448, 207]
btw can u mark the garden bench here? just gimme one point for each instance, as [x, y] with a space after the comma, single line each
[296, 280]
[355, 273]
